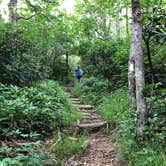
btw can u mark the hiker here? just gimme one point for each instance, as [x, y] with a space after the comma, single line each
[78, 73]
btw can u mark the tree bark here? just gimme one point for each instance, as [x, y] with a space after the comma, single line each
[67, 63]
[150, 61]
[127, 21]
[117, 18]
[131, 76]
[13, 15]
[139, 66]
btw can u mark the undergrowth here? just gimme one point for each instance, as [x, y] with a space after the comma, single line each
[131, 149]
[68, 145]
[29, 114]
[122, 123]
[113, 106]
[90, 90]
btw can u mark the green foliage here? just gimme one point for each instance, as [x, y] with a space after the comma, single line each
[18, 64]
[68, 145]
[131, 149]
[113, 106]
[30, 153]
[106, 60]
[77, 90]
[35, 110]
[134, 150]
[35, 48]
[90, 90]
[10, 162]
[31, 113]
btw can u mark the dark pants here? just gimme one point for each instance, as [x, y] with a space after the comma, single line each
[78, 78]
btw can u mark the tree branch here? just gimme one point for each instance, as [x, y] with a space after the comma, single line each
[28, 18]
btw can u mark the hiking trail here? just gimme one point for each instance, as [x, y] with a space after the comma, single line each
[100, 151]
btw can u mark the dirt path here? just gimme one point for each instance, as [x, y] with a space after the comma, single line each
[100, 151]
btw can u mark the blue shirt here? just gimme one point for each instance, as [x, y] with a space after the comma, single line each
[77, 72]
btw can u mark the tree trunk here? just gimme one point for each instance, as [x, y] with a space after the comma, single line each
[139, 66]
[152, 73]
[117, 18]
[13, 15]
[150, 61]
[127, 20]
[67, 63]
[131, 76]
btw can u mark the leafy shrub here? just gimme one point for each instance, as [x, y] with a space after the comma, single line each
[19, 62]
[77, 90]
[91, 90]
[135, 151]
[113, 106]
[68, 146]
[106, 59]
[30, 153]
[132, 150]
[11, 162]
[39, 109]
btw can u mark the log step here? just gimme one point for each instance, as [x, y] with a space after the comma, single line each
[86, 107]
[76, 102]
[74, 99]
[91, 125]
[90, 121]
[86, 113]
[67, 89]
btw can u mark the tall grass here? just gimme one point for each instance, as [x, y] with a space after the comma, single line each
[90, 90]
[76, 90]
[68, 145]
[131, 149]
[113, 106]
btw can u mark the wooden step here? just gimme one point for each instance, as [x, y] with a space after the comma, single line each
[76, 102]
[86, 113]
[94, 118]
[67, 89]
[89, 121]
[86, 117]
[86, 107]
[74, 99]
[91, 125]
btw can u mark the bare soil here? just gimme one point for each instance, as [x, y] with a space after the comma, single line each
[99, 152]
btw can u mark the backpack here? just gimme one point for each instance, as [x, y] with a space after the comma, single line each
[77, 72]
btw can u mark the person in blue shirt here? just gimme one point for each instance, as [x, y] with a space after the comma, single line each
[78, 73]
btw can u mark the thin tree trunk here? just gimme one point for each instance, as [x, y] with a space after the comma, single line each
[127, 20]
[117, 18]
[150, 61]
[67, 63]
[13, 15]
[131, 76]
[147, 44]
[139, 66]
